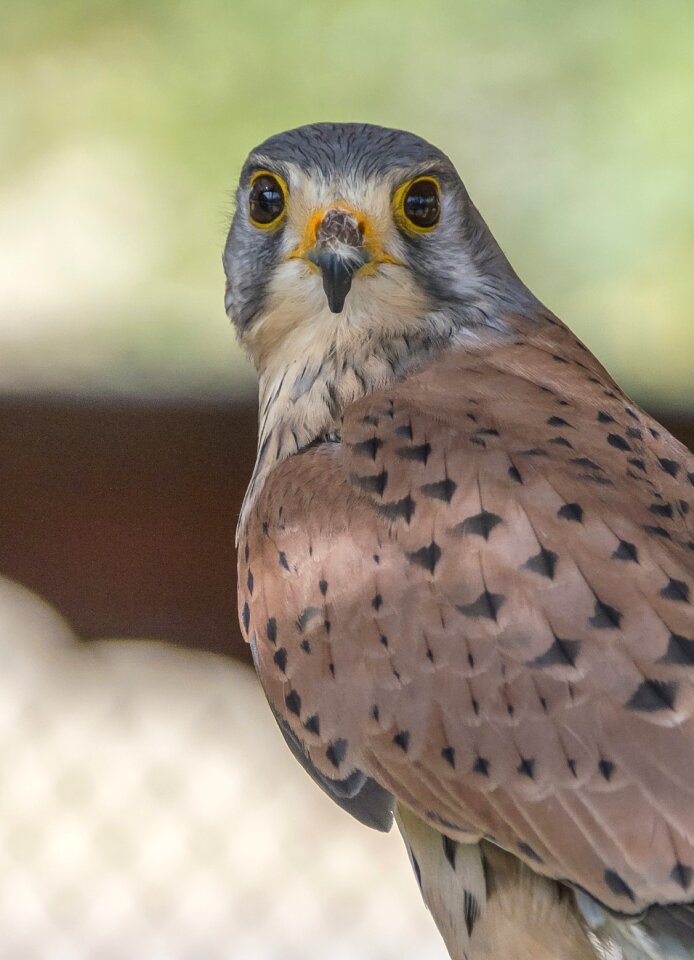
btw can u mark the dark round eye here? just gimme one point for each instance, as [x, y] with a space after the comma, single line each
[422, 203]
[266, 199]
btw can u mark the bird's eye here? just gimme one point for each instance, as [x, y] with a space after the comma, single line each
[266, 199]
[421, 203]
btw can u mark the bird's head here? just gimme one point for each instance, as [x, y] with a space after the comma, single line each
[351, 233]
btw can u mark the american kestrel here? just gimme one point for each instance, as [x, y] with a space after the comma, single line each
[466, 558]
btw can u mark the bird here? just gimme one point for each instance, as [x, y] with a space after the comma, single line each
[465, 557]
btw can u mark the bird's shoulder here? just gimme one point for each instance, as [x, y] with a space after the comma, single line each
[540, 404]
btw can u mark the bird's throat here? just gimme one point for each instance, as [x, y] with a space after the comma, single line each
[306, 383]
[302, 400]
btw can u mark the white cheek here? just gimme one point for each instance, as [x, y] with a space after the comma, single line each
[296, 284]
[388, 300]
[297, 305]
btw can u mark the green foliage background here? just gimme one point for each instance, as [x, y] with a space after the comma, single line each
[123, 125]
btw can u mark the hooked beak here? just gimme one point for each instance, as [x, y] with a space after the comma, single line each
[339, 252]
[337, 271]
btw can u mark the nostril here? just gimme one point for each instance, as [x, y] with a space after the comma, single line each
[341, 226]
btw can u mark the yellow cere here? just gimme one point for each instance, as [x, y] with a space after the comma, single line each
[371, 239]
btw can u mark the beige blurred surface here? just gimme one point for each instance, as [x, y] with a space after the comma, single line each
[150, 809]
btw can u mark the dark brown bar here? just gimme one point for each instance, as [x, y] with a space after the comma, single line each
[123, 515]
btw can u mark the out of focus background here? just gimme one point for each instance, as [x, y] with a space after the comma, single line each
[148, 808]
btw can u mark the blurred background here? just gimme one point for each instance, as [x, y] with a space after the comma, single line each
[141, 813]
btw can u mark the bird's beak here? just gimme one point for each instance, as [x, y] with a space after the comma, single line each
[337, 270]
[338, 252]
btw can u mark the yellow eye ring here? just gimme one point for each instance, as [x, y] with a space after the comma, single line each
[417, 205]
[267, 200]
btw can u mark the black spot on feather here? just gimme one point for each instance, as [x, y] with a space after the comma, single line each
[605, 617]
[681, 875]
[653, 696]
[606, 768]
[544, 563]
[313, 724]
[528, 851]
[481, 766]
[481, 524]
[367, 448]
[280, 659]
[450, 848]
[293, 702]
[426, 557]
[669, 466]
[440, 490]
[419, 453]
[398, 510]
[657, 531]
[486, 606]
[586, 463]
[561, 442]
[618, 886]
[416, 868]
[562, 653]
[626, 551]
[371, 483]
[676, 590]
[662, 510]
[617, 441]
[471, 910]
[571, 511]
[336, 752]
[527, 767]
[680, 651]
[595, 478]
[559, 422]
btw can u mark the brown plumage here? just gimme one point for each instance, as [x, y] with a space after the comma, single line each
[474, 587]
[497, 562]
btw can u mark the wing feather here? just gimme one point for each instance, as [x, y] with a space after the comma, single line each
[482, 599]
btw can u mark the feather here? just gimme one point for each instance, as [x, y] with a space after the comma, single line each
[483, 593]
